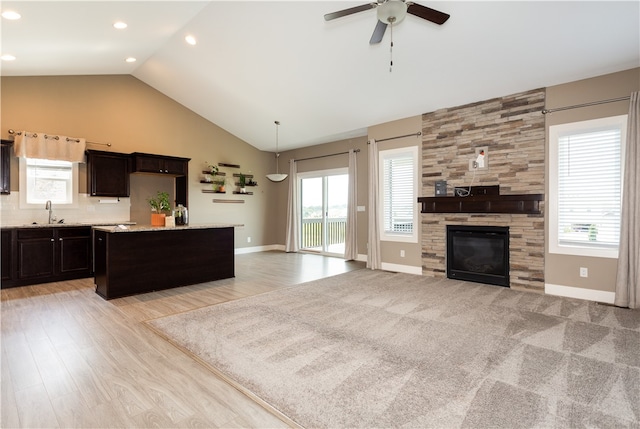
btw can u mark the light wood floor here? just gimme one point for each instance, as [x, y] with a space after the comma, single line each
[71, 359]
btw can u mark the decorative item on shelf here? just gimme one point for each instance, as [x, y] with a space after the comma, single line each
[159, 206]
[251, 182]
[277, 176]
[210, 172]
[243, 184]
[219, 185]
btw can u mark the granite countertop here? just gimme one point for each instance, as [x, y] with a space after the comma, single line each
[70, 224]
[141, 228]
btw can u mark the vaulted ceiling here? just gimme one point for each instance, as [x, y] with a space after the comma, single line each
[261, 61]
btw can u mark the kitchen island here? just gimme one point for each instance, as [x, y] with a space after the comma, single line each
[136, 259]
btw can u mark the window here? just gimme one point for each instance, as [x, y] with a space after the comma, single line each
[398, 177]
[42, 180]
[585, 189]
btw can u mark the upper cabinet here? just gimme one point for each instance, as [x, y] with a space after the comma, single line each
[5, 169]
[108, 174]
[158, 164]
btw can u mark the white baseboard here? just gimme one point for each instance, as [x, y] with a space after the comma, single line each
[397, 268]
[580, 293]
[243, 250]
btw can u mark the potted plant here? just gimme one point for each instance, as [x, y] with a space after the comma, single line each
[218, 184]
[159, 206]
[210, 172]
[243, 183]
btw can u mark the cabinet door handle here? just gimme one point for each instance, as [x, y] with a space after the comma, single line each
[54, 240]
[59, 239]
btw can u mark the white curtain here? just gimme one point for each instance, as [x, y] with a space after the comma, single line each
[351, 230]
[373, 254]
[293, 220]
[44, 146]
[628, 278]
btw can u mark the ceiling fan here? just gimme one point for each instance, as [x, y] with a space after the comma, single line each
[391, 12]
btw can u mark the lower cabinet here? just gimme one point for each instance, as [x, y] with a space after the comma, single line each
[45, 255]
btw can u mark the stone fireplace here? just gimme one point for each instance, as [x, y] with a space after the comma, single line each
[512, 128]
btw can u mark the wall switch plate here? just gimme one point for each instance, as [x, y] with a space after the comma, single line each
[584, 272]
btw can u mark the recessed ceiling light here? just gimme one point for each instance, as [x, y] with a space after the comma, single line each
[131, 60]
[120, 25]
[7, 57]
[190, 40]
[10, 14]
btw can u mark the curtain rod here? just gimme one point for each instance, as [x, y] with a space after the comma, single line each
[593, 103]
[17, 133]
[324, 156]
[418, 134]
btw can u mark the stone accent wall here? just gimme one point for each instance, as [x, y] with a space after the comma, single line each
[512, 128]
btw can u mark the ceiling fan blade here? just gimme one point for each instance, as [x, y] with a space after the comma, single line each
[378, 33]
[427, 13]
[351, 10]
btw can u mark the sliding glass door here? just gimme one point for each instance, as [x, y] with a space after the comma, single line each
[323, 197]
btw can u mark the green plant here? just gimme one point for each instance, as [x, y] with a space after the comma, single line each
[160, 203]
[213, 169]
[243, 180]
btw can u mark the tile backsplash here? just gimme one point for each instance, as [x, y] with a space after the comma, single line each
[88, 210]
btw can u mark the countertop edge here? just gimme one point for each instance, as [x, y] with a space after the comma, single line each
[146, 228]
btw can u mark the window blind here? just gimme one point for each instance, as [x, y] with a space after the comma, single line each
[398, 193]
[589, 187]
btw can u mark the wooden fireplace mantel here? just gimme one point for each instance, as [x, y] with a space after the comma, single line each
[514, 204]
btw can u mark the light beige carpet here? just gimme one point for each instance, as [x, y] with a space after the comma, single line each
[377, 349]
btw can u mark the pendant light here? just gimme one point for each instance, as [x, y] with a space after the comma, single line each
[277, 176]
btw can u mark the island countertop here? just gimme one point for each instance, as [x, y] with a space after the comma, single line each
[141, 228]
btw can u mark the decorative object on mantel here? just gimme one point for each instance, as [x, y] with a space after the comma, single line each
[277, 176]
[159, 206]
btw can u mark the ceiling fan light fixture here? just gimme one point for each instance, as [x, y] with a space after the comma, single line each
[277, 176]
[392, 11]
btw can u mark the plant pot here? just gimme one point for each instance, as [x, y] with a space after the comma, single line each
[157, 219]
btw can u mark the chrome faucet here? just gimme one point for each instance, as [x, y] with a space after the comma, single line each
[48, 206]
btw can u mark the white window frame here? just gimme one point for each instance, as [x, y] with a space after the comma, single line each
[555, 131]
[387, 235]
[24, 190]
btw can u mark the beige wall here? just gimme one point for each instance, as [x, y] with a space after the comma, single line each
[326, 163]
[134, 117]
[390, 252]
[563, 270]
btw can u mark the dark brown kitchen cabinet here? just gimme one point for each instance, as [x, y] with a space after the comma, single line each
[108, 174]
[36, 253]
[159, 164]
[7, 254]
[45, 254]
[5, 167]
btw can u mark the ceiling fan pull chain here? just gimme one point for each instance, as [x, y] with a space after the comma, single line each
[391, 50]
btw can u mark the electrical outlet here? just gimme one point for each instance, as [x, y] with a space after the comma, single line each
[402, 253]
[473, 165]
[248, 239]
[584, 272]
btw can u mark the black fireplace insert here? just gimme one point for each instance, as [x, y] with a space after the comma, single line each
[478, 254]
